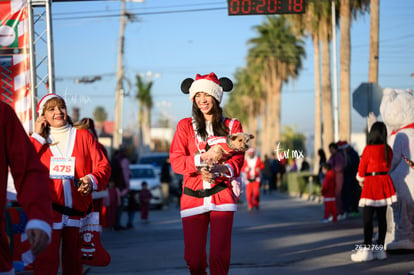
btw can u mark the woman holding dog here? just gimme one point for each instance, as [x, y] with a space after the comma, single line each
[207, 198]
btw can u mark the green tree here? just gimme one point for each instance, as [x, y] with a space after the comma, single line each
[99, 114]
[348, 9]
[292, 140]
[318, 13]
[308, 24]
[144, 113]
[245, 102]
[276, 56]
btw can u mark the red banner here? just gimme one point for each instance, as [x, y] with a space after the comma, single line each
[14, 59]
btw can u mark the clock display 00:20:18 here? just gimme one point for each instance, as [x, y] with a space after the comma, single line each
[249, 7]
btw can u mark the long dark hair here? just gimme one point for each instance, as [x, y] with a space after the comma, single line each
[378, 135]
[218, 123]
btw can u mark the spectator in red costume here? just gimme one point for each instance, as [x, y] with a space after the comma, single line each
[252, 168]
[328, 193]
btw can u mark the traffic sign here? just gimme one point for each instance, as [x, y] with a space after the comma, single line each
[367, 98]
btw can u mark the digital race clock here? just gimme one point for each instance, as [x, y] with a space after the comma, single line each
[249, 7]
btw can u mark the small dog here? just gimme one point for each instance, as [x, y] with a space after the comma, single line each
[221, 148]
[239, 141]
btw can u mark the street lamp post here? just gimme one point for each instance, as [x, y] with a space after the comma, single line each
[117, 135]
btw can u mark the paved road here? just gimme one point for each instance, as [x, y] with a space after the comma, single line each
[284, 237]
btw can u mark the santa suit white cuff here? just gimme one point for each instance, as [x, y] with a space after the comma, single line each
[94, 182]
[198, 162]
[230, 171]
[360, 179]
[39, 138]
[39, 224]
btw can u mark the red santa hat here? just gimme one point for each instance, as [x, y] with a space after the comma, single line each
[342, 144]
[43, 101]
[208, 84]
[251, 150]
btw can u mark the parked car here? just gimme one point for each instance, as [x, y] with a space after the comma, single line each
[146, 172]
[157, 159]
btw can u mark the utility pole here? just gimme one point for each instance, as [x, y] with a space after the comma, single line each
[119, 92]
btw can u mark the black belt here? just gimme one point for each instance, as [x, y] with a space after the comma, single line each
[202, 193]
[376, 173]
[70, 211]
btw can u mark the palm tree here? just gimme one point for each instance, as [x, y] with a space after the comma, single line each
[325, 32]
[100, 114]
[317, 22]
[344, 71]
[308, 24]
[245, 102]
[348, 9]
[145, 105]
[374, 42]
[277, 54]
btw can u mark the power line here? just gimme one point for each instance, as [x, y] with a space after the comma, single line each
[141, 13]
[91, 12]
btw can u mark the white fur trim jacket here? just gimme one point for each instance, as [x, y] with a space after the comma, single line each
[183, 156]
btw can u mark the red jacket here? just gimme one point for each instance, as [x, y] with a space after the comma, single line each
[30, 179]
[89, 160]
[252, 168]
[328, 185]
[183, 149]
[377, 190]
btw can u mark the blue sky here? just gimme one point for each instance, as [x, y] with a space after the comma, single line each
[176, 45]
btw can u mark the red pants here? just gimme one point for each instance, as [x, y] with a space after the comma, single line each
[195, 240]
[252, 194]
[330, 209]
[145, 208]
[47, 262]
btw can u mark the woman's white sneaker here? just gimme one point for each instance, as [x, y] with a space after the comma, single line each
[362, 255]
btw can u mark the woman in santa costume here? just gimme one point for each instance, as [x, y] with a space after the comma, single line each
[207, 198]
[77, 167]
[252, 167]
[377, 192]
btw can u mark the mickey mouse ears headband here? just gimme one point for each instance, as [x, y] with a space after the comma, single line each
[208, 84]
